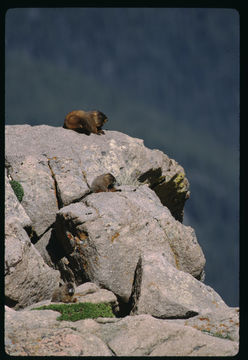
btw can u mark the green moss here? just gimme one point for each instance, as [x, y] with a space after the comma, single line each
[80, 311]
[18, 189]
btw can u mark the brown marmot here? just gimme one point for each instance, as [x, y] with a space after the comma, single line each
[64, 293]
[86, 122]
[103, 182]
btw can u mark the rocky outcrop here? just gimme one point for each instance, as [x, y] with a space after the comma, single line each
[55, 166]
[127, 248]
[110, 231]
[38, 333]
[54, 161]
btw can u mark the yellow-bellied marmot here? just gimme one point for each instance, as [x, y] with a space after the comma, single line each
[64, 293]
[103, 182]
[85, 121]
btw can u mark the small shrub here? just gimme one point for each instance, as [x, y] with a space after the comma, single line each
[125, 178]
[18, 189]
[80, 311]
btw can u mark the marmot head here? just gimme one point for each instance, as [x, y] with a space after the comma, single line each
[99, 117]
[110, 179]
[70, 288]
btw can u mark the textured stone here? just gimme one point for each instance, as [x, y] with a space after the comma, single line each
[38, 333]
[131, 244]
[33, 173]
[13, 207]
[224, 323]
[76, 159]
[69, 178]
[109, 231]
[27, 278]
[165, 292]
[144, 335]
[87, 288]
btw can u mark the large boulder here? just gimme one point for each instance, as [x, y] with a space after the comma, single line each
[107, 233]
[27, 278]
[56, 165]
[165, 292]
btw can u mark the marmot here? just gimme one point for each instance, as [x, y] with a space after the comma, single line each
[86, 122]
[103, 182]
[64, 293]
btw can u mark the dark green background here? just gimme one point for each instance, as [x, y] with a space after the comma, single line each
[168, 76]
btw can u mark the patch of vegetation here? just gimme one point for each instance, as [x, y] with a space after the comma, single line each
[80, 311]
[18, 189]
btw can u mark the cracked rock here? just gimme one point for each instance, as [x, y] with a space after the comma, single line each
[165, 292]
[109, 232]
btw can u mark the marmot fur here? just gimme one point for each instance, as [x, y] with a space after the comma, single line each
[86, 122]
[103, 182]
[64, 293]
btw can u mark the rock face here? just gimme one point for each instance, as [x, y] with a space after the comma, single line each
[66, 162]
[27, 278]
[116, 228]
[13, 208]
[127, 248]
[38, 333]
[164, 292]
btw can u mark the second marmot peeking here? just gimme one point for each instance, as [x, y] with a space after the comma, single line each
[86, 122]
[64, 293]
[103, 182]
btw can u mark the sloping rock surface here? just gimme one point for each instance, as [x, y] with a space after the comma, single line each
[38, 333]
[164, 292]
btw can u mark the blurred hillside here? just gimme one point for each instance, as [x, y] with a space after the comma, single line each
[168, 76]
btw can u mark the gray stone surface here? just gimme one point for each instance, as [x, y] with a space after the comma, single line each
[71, 161]
[13, 207]
[27, 278]
[116, 228]
[15, 240]
[33, 173]
[146, 336]
[87, 288]
[129, 245]
[69, 178]
[224, 323]
[38, 333]
[41, 246]
[165, 292]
